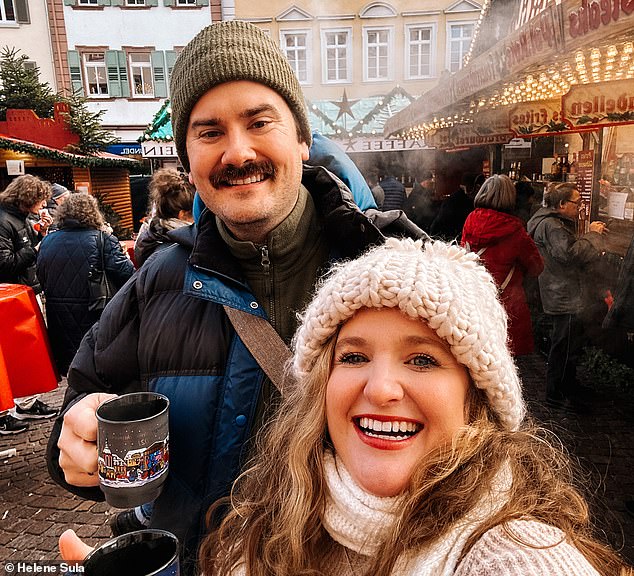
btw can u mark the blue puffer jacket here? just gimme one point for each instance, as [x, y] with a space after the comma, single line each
[166, 330]
[63, 263]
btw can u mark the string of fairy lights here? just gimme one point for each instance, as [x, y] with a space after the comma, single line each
[585, 66]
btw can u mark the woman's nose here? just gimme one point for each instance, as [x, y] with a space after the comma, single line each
[238, 149]
[383, 386]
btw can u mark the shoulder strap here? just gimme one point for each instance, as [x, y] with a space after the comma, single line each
[100, 255]
[479, 252]
[507, 279]
[264, 343]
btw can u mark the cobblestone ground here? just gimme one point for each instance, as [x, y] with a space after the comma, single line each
[34, 511]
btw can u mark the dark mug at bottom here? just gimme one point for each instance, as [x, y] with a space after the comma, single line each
[141, 553]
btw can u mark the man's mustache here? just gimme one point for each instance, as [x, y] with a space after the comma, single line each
[226, 175]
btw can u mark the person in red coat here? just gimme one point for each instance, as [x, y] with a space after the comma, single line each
[508, 253]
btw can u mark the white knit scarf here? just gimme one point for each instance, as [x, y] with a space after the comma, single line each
[360, 521]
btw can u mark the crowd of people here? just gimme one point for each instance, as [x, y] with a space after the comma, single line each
[397, 440]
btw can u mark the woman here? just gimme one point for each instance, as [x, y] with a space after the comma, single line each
[23, 198]
[507, 251]
[171, 200]
[62, 267]
[402, 448]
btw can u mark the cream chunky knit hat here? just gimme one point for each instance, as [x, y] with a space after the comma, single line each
[440, 283]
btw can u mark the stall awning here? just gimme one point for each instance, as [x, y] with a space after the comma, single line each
[99, 159]
[574, 42]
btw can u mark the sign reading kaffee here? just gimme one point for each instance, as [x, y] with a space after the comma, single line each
[601, 104]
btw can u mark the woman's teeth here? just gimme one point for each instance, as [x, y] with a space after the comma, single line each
[391, 430]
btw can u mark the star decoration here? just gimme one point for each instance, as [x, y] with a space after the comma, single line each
[345, 106]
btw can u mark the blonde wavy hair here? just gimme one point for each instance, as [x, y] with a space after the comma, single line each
[275, 509]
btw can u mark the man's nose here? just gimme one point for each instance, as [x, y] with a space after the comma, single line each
[383, 385]
[239, 149]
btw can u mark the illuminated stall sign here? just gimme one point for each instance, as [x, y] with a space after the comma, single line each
[601, 104]
[537, 118]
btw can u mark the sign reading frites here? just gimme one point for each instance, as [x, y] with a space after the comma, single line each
[601, 104]
[537, 118]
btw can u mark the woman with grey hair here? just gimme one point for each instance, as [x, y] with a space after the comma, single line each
[63, 265]
[507, 251]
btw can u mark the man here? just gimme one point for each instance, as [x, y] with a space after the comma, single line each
[421, 206]
[23, 197]
[453, 212]
[561, 285]
[270, 226]
[393, 193]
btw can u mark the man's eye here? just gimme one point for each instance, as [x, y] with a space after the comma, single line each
[260, 124]
[422, 361]
[351, 358]
[210, 134]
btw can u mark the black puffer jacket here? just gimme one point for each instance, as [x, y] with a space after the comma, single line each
[62, 267]
[17, 248]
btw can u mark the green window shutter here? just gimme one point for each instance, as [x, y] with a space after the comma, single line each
[70, 2]
[112, 67]
[158, 71]
[123, 74]
[169, 3]
[202, 2]
[116, 2]
[170, 59]
[151, 3]
[74, 64]
[103, 2]
[22, 11]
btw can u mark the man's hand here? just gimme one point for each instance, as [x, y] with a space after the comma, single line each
[598, 227]
[78, 441]
[71, 548]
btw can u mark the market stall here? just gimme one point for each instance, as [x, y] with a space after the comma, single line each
[548, 91]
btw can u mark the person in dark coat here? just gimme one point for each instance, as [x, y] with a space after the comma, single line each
[394, 193]
[561, 285]
[22, 199]
[20, 206]
[421, 205]
[508, 253]
[621, 313]
[63, 263]
[171, 201]
[454, 210]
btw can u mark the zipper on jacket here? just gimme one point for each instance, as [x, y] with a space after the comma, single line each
[266, 266]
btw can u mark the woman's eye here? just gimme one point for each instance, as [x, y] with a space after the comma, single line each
[422, 361]
[351, 358]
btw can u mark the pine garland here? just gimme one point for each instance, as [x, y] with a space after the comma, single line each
[67, 158]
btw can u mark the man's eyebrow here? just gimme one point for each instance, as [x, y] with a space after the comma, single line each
[248, 113]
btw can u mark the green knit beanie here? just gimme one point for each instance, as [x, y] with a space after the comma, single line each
[225, 52]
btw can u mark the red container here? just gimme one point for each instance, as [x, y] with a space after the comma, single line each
[28, 368]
